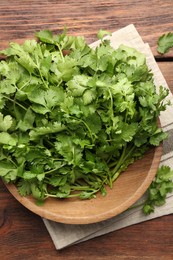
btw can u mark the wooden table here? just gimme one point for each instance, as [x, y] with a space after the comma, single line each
[23, 235]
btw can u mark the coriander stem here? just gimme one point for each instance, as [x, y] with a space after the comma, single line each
[123, 158]
[41, 76]
[120, 160]
[14, 101]
[12, 161]
[25, 84]
[89, 130]
[79, 188]
[111, 105]
[60, 51]
[52, 170]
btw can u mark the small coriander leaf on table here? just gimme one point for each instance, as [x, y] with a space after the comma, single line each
[165, 43]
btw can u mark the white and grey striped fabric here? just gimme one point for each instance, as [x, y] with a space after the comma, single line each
[64, 235]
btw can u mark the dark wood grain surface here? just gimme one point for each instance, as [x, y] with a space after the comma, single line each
[23, 235]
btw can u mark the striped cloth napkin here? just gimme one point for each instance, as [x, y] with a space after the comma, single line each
[64, 235]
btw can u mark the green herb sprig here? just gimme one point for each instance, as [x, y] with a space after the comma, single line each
[160, 187]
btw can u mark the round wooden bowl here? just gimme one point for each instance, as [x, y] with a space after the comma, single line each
[127, 189]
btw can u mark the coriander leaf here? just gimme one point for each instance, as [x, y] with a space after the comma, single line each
[87, 194]
[8, 171]
[38, 96]
[58, 180]
[82, 142]
[77, 85]
[164, 173]
[128, 131]
[11, 74]
[67, 68]
[93, 123]
[7, 87]
[22, 57]
[24, 187]
[45, 66]
[165, 42]
[157, 138]
[102, 33]
[27, 122]
[28, 175]
[40, 109]
[38, 190]
[45, 36]
[5, 122]
[6, 138]
[130, 56]
[89, 96]
[53, 97]
[49, 129]
[30, 46]
[71, 153]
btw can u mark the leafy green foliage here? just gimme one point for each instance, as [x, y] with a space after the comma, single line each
[5, 122]
[165, 42]
[160, 187]
[73, 118]
[102, 33]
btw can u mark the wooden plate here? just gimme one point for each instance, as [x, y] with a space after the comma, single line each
[127, 189]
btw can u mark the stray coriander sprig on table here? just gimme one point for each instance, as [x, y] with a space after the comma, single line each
[162, 184]
[72, 117]
[160, 187]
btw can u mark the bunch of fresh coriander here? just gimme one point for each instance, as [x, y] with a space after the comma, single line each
[72, 118]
